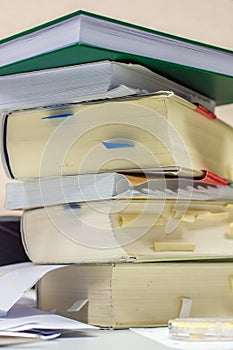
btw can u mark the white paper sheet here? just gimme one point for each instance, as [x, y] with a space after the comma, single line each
[161, 336]
[23, 317]
[16, 279]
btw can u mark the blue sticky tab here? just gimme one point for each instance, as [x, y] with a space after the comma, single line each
[73, 206]
[58, 116]
[112, 145]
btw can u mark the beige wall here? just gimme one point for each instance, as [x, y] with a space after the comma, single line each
[209, 21]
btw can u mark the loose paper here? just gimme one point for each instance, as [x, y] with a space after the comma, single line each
[16, 279]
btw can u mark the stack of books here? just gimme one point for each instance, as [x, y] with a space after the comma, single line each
[122, 169]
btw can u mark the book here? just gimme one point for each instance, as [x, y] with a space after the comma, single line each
[82, 37]
[128, 230]
[111, 185]
[95, 80]
[157, 130]
[138, 295]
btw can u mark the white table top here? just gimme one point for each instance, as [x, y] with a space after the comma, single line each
[100, 339]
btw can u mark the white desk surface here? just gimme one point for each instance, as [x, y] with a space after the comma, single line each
[98, 340]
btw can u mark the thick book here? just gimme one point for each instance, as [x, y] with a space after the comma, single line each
[111, 185]
[128, 230]
[95, 80]
[83, 37]
[138, 295]
[157, 130]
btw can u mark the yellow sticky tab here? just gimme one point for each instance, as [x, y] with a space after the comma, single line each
[213, 216]
[229, 206]
[188, 218]
[173, 246]
[229, 231]
[231, 282]
[135, 220]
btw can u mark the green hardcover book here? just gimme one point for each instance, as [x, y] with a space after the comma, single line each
[83, 37]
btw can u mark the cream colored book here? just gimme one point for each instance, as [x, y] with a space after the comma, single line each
[128, 230]
[138, 295]
[160, 130]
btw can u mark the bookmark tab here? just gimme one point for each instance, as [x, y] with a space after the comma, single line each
[136, 220]
[173, 246]
[72, 206]
[229, 231]
[205, 112]
[185, 307]
[78, 305]
[213, 216]
[114, 145]
[65, 115]
[213, 179]
[231, 282]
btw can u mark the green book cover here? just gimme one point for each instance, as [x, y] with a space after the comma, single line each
[213, 77]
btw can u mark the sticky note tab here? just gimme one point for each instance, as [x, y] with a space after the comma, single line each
[185, 307]
[188, 218]
[78, 305]
[173, 246]
[114, 145]
[231, 282]
[72, 206]
[58, 116]
[229, 231]
[211, 178]
[136, 220]
[229, 206]
[205, 112]
[213, 216]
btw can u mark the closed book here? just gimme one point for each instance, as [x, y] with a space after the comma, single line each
[82, 37]
[157, 130]
[90, 81]
[38, 192]
[128, 230]
[138, 295]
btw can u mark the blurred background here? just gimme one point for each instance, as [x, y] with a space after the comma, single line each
[206, 21]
